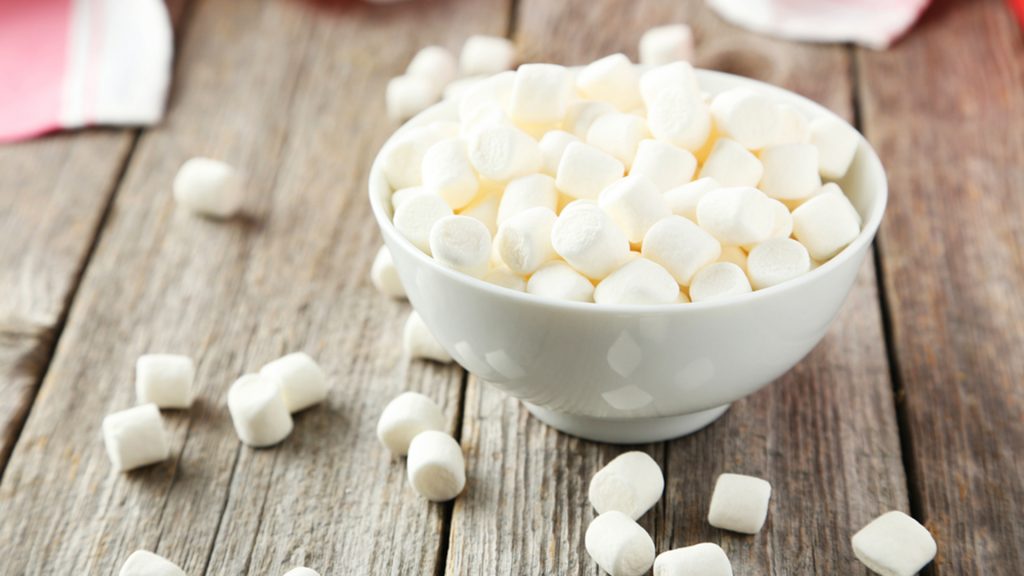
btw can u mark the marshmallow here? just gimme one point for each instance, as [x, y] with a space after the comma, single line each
[404, 194]
[258, 410]
[825, 224]
[631, 483]
[634, 204]
[491, 91]
[436, 467]
[485, 210]
[208, 187]
[717, 281]
[639, 281]
[837, 145]
[581, 114]
[558, 280]
[790, 171]
[145, 563]
[665, 44]
[435, 64]
[833, 188]
[681, 247]
[461, 243]
[485, 55]
[402, 159]
[705, 559]
[505, 278]
[794, 127]
[675, 111]
[683, 200]
[522, 194]
[619, 545]
[894, 544]
[775, 261]
[447, 173]
[732, 165]
[456, 89]
[419, 342]
[737, 216]
[501, 153]
[415, 217]
[407, 96]
[406, 416]
[734, 254]
[612, 79]
[135, 437]
[668, 78]
[739, 503]
[165, 380]
[783, 226]
[302, 571]
[540, 94]
[384, 275]
[618, 134]
[666, 165]
[746, 116]
[302, 381]
[485, 115]
[524, 240]
[585, 170]
[588, 239]
[552, 145]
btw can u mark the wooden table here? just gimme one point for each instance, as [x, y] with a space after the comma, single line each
[913, 401]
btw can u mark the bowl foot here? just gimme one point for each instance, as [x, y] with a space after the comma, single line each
[627, 431]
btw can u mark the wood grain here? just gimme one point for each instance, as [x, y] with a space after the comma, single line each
[945, 108]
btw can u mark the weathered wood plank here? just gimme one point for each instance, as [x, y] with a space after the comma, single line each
[946, 109]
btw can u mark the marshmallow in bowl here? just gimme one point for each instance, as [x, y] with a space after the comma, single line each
[746, 116]
[737, 216]
[619, 545]
[681, 247]
[683, 200]
[585, 170]
[558, 280]
[446, 172]
[666, 44]
[612, 79]
[302, 381]
[402, 159]
[461, 243]
[483, 55]
[522, 194]
[825, 224]
[502, 276]
[775, 261]
[404, 417]
[730, 164]
[384, 275]
[524, 240]
[416, 216]
[618, 134]
[436, 467]
[675, 113]
[419, 342]
[540, 94]
[718, 280]
[258, 410]
[581, 114]
[790, 171]
[501, 153]
[639, 281]
[631, 484]
[589, 240]
[837, 145]
[634, 204]
[552, 145]
[666, 165]
[739, 503]
[484, 208]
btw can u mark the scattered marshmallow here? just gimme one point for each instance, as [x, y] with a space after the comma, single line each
[558, 280]
[666, 44]
[894, 544]
[384, 275]
[718, 280]
[446, 172]
[302, 570]
[734, 254]
[406, 416]
[524, 240]
[436, 467]
[739, 503]
[825, 224]
[145, 563]
[730, 164]
[208, 187]
[613, 79]
[435, 64]
[552, 145]
[631, 483]
[505, 278]
[522, 194]
[705, 559]
[586, 170]
[258, 410]
[402, 159]
[165, 380]
[619, 545]
[461, 243]
[415, 218]
[581, 114]
[419, 342]
[681, 247]
[837, 145]
[619, 135]
[540, 94]
[790, 171]
[737, 216]
[302, 381]
[407, 96]
[666, 165]
[588, 239]
[634, 204]
[683, 200]
[746, 116]
[639, 281]
[502, 153]
[775, 261]
[486, 55]
[135, 437]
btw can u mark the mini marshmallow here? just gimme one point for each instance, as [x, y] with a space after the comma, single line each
[493, 90]
[894, 544]
[665, 44]
[419, 342]
[734, 254]
[505, 278]
[681, 247]
[404, 194]
[456, 89]
[485, 210]
[502, 153]
[790, 171]
[407, 96]
[558, 280]
[737, 216]
[794, 128]
[485, 115]
[612, 79]
[406, 416]
[486, 55]
[837, 145]
[402, 159]
[675, 111]
[718, 280]
[552, 145]
[833, 188]
[588, 239]
[522, 194]
[303, 383]
[135, 437]
[165, 380]
[634, 204]
[145, 563]
[667, 78]
[639, 281]
[436, 467]
[415, 218]
[666, 165]
[705, 559]
[739, 503]
[746, 116]
[540, 94]
[732, 165]
[586, 170]
[461, 243]
[783, 226]
[446, 172]
[302, 571]
[683, 200]
[208, 187]
[631, 483]
[619, 545]
[618, 134]
[775, 261]
[258, 410]
[435, 64]
[581, 114]
[524, 240]
[384, 275]
[825, 224]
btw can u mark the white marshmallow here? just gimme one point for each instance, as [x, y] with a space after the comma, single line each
[407, 96]
[747, 116]
[446, 172]
[639, 281]
[739, 503]
[303, 383]
[501, 153]
[894, 544]
[618, 134]
[734, 254]
[384, 275]
[825, 224]
[145, 563]
[406, 416]
[631, 483]
[718, 280]
[668, 78]
[558, 280]
[521, 194]
[737, 216]
[436, 467]
[484, 209]
[415, 217]
[485, 115]
[666, 165]
[419, 342]
[783, 226]
[705, 559]
[581, 114]
[588, 239]
[540, 94]
[486, 55]
[681, 247]
[790, 171]
[435, 64]
[665, 44]
[552, 145]
[833, 188]
[775, 261]
[683, 200]
[491, 91]
[585, 170]
[837, 145]
[634, 204]
[258, 410]
[208, 187]
[619, 545]
[794, 128]
[612, 79]
[458, 88]
[502, 276]
[675, 111]
[404, 194]
[461, 243]
[135, 437]
[302, 570]
[402, 159]
[732, 165]
[165, 380]
[524, 240]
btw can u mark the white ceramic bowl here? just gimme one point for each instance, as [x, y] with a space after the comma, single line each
[631, 374]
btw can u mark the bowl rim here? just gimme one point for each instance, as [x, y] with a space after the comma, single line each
[869, 228]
